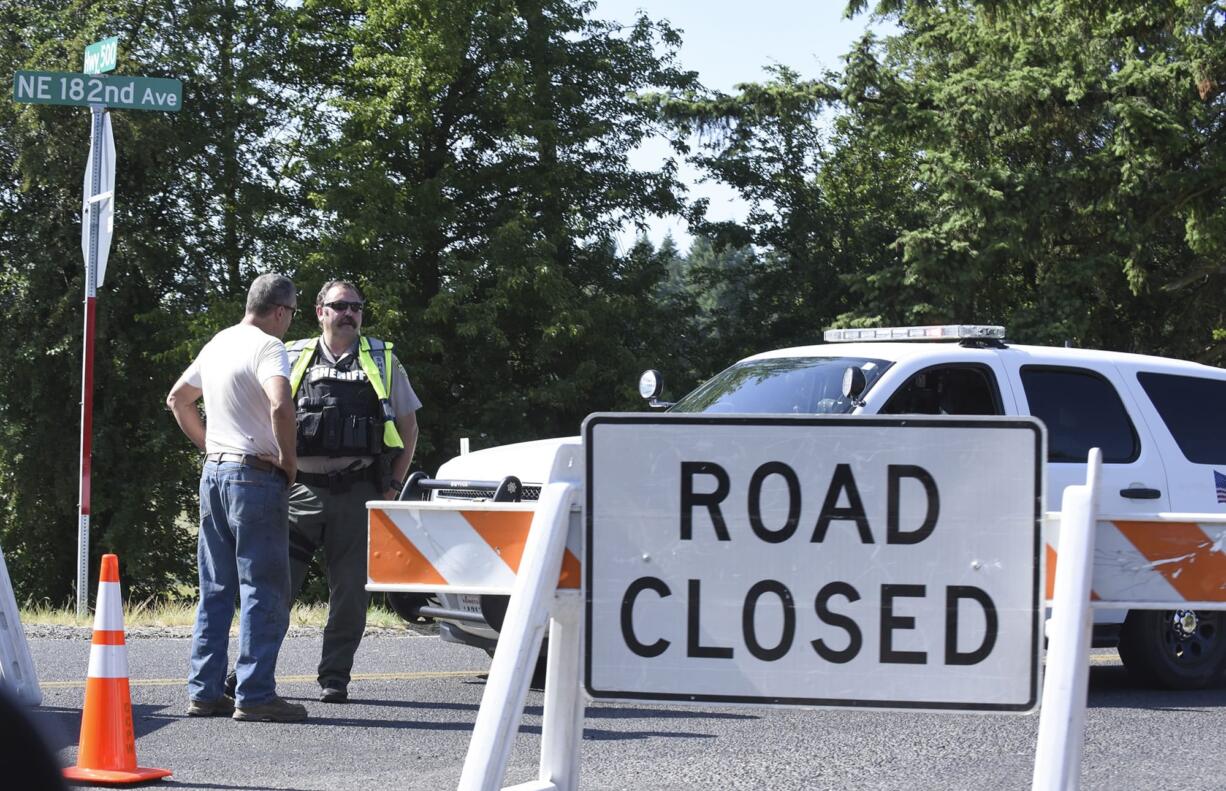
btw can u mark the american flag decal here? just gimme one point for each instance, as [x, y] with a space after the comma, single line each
[1219, 480]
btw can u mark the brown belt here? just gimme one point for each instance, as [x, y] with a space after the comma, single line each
[243, 458]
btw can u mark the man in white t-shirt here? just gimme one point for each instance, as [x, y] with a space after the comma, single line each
[250, 461]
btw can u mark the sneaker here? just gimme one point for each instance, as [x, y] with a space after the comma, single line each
[334, 695]
[221, 707]
[231, 682]
[275, 709]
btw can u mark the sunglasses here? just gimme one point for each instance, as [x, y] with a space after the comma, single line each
[341, 306]
[293, 309]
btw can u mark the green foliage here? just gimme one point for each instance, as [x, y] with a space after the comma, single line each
[1069, 163]
[473, 176]
[766, 141]
[1056, 166]
[198, 211]
[467, 162]
[1052, 166]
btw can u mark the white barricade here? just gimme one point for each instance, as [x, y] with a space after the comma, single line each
[16, 665]
[1160, 561]
[532, 551]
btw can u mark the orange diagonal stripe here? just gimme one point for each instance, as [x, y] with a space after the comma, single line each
[1183, 554]
[570, 571]
[393, 558]
[1051, 576]
[505, 531]
[1051, 571]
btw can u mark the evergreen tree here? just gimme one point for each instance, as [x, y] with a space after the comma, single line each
[474, 178]
[199, 211]
[1069, 167]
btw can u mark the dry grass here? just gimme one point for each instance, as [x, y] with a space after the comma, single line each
[147, 614]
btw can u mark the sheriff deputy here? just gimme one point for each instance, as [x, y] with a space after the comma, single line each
[357, 428]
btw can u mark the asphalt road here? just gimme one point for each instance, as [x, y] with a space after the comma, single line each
[414, 700]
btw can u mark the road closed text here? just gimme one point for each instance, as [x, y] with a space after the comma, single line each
[837, 605]
[847, 621]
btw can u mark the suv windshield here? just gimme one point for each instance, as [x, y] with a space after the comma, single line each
[781, 385]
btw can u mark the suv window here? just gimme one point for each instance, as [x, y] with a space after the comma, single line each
[1194, 409]
[783, 385]
[1082, 410]
[947, 390]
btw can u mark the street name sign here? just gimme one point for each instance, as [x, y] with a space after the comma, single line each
[102, 55]
[818, 561]
[128, 93]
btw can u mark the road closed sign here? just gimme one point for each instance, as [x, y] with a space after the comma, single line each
[815, 561]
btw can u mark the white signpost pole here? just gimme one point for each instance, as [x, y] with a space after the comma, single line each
[99, 169]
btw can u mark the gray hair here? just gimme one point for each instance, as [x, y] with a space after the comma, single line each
[267, 292]
[331, 284]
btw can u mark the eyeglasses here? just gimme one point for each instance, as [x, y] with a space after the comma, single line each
[341, 306]
[293, 309]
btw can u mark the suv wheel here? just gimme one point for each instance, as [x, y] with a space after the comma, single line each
[407, 606]
[494, 610]
[1174, 649]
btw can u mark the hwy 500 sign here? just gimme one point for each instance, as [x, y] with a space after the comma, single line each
[837, 561]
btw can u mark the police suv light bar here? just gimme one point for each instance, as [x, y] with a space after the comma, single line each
[943, 332]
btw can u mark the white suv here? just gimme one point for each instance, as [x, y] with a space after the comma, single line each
[1161, 425]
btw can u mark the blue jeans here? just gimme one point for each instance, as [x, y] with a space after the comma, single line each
[243, 552]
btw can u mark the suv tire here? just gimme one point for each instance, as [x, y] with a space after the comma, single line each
[406, 605]
[1158, 648]
[494, 610]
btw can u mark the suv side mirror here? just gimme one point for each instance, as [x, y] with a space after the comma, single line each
[854, 382]
[651, 384]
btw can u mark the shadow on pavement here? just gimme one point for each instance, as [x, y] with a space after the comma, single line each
[594, 712]
[63, 724]
[60, 726]
[595, 735]
[1112, 688]
[170, 782]
[397, 704]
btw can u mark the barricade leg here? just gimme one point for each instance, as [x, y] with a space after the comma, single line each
[16, 665]
[519, 644]
[1057, 765]
[562, 731]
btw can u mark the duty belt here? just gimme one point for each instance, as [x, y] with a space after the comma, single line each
[339, 481]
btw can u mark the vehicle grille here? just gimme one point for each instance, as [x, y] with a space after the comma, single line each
[530, 493]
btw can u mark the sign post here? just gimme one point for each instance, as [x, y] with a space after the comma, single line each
[833, 562]
[99, 93]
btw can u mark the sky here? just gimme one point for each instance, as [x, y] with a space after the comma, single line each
[728, 43]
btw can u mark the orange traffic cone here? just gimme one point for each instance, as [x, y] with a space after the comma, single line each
[108, 743]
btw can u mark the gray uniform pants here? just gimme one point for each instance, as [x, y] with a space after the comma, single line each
[337, 523]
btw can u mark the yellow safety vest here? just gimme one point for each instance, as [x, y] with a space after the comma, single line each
[375, 374]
